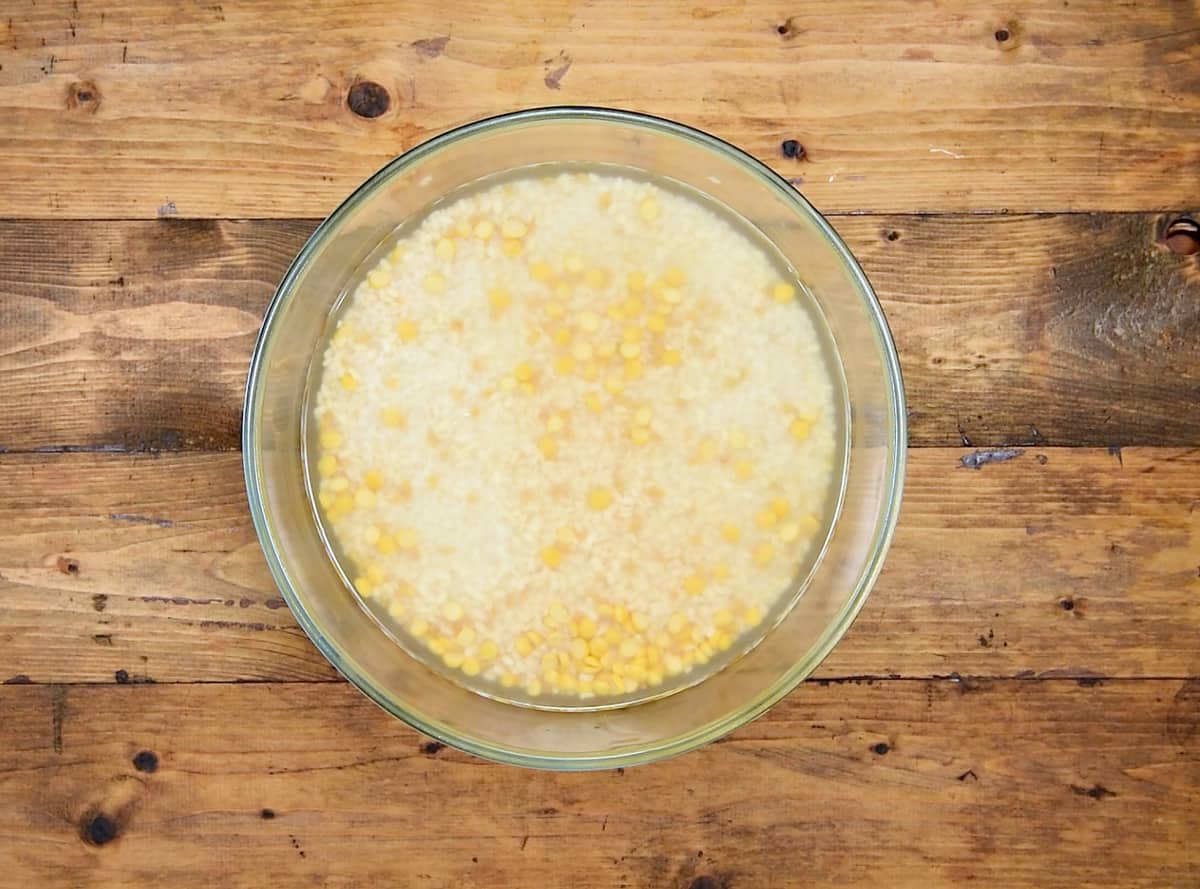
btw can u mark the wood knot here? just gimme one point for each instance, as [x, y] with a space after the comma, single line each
[267, 814]
[368, 99]
[788, 30]
[880, 749]
[67, 565]
[83, 94]
[146, 761]
[793, 149]
[432, 748]
[1096, 791]
[706, 881]
[98, 829]
[1182, 236]
[1007, 36]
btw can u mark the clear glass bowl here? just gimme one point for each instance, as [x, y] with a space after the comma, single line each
[273, 424]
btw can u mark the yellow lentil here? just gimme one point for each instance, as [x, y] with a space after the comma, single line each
[499, 299]
[434, 283]
[514, 228]
[551, 556]
[406, 330]
[783, 292]
[763, 553]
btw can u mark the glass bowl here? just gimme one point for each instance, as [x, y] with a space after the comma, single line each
[274, 424]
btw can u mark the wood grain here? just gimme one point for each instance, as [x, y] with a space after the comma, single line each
[894, 784]
[233, 109]
[132, 336]
[1055, 563]
[1058, 330]
[1017, 705]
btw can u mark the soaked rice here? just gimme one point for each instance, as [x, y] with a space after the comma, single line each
[577, 436]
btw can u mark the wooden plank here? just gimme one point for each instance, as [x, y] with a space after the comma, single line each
[1058, 562]
[233, 109]
[1062, 330]
[132, 336]
[895, 784]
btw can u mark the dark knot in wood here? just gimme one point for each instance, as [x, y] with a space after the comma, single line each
[98, 830]
[792, 148]
[368, 99]
[83, 94]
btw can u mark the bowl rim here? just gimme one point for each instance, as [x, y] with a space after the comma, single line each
[886, 519]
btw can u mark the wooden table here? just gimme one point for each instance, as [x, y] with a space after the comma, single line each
[1019, 702]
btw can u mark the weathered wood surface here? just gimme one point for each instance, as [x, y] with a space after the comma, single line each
[1017, 705]
[1059, 330]
[893, 785]
[1059, 562]
[242, 109]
